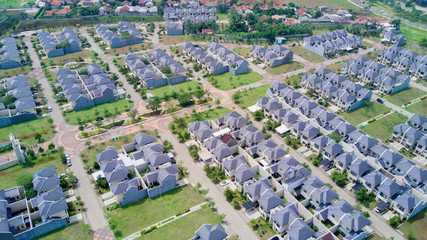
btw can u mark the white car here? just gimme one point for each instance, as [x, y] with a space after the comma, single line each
[224, 183]
[49, 109]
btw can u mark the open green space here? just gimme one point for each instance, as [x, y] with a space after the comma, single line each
[336, 67]
[165, 39]
[22, 70]
[285, 68]
[370, 110]
[262, 228]
[184, 87]
[74, 231]
[222, 16]
[329, 3]
[248, 97]
[26, 131]
[102, 110]
[12, 3]
[20, 175]
[243, 51]
[184, 227]
[413, 34]
[71, 56]
[383, 128]
[227, 81]
[405, 96]
[372, 55]
[145, 212]
[416, 226]
[419, 108]
[306, 54]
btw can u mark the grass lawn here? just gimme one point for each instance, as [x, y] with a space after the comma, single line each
[328, 3]
[187, 86]
[10, 3]
[243, 51]
[285, 68]
[413, 34]
[26, 131]
[249, 97]
[382, 128]
[367, 45]
[90, 114]
[165, 39]
[372, 55]
[227, 81]
[405, 96]
[74, 231]
[60, 60]
[262, 228]
[419, 108]
[417, 225]
[131, 48]
[375, 236]
[22, 70]
[370, 110]
[146, 212]
[306, 54]
[222, 16]
[19, 175]
[184, 227]
[336, 67]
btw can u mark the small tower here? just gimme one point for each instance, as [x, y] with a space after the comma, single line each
[17, 150]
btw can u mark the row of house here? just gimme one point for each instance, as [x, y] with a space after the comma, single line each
[209, 63]
[391, 37]
[61, 43]
[376, 75]
[146, 8]
[126, 34]
[236, 64]
[273, 56]
[241, 150]
[87, 87]
[337, 89]
[22, 218]
[363, 158]
[332, 43]
[177, 14]
[154, 169]
[405, 60]
[413, 134]
[9, 57]
[24, 106]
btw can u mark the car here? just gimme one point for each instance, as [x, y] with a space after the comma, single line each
[67, 157]
[69, 163]
[380, 100]
[315, 97]
[49, 109]
[63, 175]
[224, 183]
[76, 181]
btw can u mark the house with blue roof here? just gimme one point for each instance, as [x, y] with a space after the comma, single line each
[126, 34]
[10, 56]
[236, 64]
[408, 205]
[209, 232]
[282, 218]
[274, 56]
[58, 44]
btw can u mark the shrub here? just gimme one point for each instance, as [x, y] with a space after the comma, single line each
[152, 228]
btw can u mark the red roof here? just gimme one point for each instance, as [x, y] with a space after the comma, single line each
[63, 11]
[207, 31]
[126, 3]
[227, 138]
[56, 3]
[141, 2]
[49, 13]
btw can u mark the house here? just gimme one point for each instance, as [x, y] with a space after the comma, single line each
[344, 160]
[194, 127]
[388, 190]
[174, 28]
[308, 134]
[405, 61]
[236, 64]
[45, 179]
[61, 43]
[416, 176]
[391, 37]
[232, 120]
[407, 205]
[358, 169]
[317, 144]
[331, 150]
[372, 180]
[273, 56]
[126, 34]
[300, 230]
[283, 218]
[267, 202]
[251, 135]
[209, 232]
[242, 175]
[9, 57]
[256, 188]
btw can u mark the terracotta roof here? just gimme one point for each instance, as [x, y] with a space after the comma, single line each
[227, 138]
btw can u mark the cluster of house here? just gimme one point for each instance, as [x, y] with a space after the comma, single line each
[376, 75]
[391, 37]
[405, 60]
[24, 106]
[177, 17]
[141, 169]
[396, 182]
[9, 54]
[273, 56]
[151, 74]
[241, 151]
[61, 43]
[329, 16]
[332, 43]
[143, 7]
[22, 218]
[337, 89]
[413, 134]
[127, 34]
[87, 87]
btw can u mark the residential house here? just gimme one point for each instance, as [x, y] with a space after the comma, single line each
[232, 120]
[283, 218]
[126, 34]
[256, 188]
[358, 169]
[236, 64]
[273, 56]
[10, 56]
[209, 232]
[60, 43]
[267, 202]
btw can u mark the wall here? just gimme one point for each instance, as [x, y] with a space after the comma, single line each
[9, 164]
[176, 79]
[6, 121]
[133, 195]
[168, 184]
[319, 50]
[356, 105]
[82, 103]
[155, 83]
[400, 87]
[117, 42]
[240, 70]
[107, 96]
[173, 32]
[55, 52]
[9, 64]
[42, 229]
[219, 69]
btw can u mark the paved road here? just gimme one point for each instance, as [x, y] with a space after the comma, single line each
[235, 223]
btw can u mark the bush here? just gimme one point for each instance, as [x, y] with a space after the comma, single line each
[113, 124]
[339, 178]
[182, 212]
[152, 228]
[93, 133]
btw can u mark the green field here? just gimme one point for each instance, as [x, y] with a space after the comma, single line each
[417, 226]
[184, 227]
[19, 175]
[77, 231]
[145, 212]
[227, 81]
[383, 128]
[22, 70]
[336, 67]
[243, 51]
[405, 96]
[285, 68]
[419, 107]
[306, 54]
[222, 16]
[370, 110]
[13, 3]
[249, 97]
[188, 86]
[90, 114]
[60, 60]
[328, 3]
[25, 131]
[413, 34]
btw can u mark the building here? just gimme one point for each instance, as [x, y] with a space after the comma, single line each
[9, 57]
[174, 28]
[209, 63]
[209, 232]
[273, 56]
[236, 64]
[404, 60]
[126, 34]
[184, 14]
[58, 44]
[391, 37]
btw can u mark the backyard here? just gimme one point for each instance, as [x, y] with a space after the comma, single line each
[405, 96]
[184, 227]
[370, 110]
[383, 128]
[136, 216]
[22, 70]
[77, 230]
[187, 86]
[336, 67]
[285, 68]
[243, 51]
[306, 54]
[419, 108]
[227, 81]
[262, 228]
[102, 110]
[27, 130]
[248, 97]
[416, 226]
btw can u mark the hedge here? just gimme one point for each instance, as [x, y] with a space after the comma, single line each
[113, 124]
[93, 133]
[152, 228]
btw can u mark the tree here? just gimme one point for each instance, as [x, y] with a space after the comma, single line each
[364, 197]
[38, 137]
[258, 115]
[199, 93]
[184, 99]
[228, 194]
[339, 178]
[30, 154]
[51, 146]
[317, 14]
[133, 113]
[167, 146]
[396, 23]
[236, 97]
[98, 123]
[41, 150]
[153, 104]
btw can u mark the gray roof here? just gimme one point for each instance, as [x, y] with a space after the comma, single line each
[251, 133]
[109, 153]
[333, 148]
[50, 208]
[234, 163]
[45, 183]
[389, 188]
[119, 173]
[324, 195]
[194, 126]
[124, 186]
[142, 139]
[346, 158]
[299, 230]
[285, 216]
[222, 152]
[359, 167]
[355, 221]
[209, 232]
[244, 173]
[339, 208]
[258, 187]
[374, 178]
[420, 174]
[45, 172]
[407, 201]
[312, 183]
[269, 200]
[310, 132]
